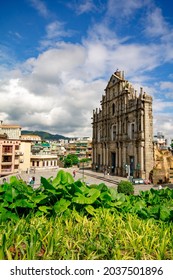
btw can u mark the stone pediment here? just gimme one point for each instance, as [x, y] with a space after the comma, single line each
[115, 78]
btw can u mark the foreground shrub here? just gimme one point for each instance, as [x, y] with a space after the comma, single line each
[105, 236]
[125, 187]
[63, 195]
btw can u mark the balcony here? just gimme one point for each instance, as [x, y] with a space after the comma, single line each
[6, 163]
[16, 161]
[6, 171]
[7, 152]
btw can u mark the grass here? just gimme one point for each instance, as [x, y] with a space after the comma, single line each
[106, 236]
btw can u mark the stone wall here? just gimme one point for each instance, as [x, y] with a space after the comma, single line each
[163, 166]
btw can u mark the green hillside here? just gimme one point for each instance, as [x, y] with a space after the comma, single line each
[44, 135]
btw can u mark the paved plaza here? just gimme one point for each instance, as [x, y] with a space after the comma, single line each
[83, 175]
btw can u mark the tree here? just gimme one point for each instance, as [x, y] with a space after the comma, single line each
[71, 160]
[67, 162]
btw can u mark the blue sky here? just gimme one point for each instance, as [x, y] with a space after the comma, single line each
[57, 56]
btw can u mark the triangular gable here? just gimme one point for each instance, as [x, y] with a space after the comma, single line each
[113, 80]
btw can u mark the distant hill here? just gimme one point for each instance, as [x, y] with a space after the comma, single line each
[44, 135]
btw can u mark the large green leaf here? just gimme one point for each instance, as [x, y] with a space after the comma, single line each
[4, 204]
[70, 179]
[13, 179]
[47, 185]
[113, 193]
[121, 197]
[102, 187]
[38, 198]
[139, 205]
[61, 205]
[24, 203]
[10, 194]
[142, 213]
[164, 213]
[63, 176]
[117, 203]
[57, 180]
[84, 189]
[2, 190]
[8, 215]
[154, 211]
[90, 198]
[45, 209]
[73, 188]
[106, 196]
[2, 209]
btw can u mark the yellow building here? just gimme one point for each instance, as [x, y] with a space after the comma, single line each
[25, 156]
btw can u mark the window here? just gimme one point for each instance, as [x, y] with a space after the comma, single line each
[123, 127]
[113, 109]
[131, 130]
[113, 132]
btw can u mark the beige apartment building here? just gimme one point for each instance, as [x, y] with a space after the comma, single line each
[12, 131]
[123, 130]
[9, 156]
[31, 137]
[82, 147]
[14, 152]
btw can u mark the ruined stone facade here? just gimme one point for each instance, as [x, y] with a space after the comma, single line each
[123, 130]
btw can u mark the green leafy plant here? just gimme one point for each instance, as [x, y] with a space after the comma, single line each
[62, 195]
[125, 187]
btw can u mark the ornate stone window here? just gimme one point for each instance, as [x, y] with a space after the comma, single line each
[113, 132]
[131, 130]
[113, 109]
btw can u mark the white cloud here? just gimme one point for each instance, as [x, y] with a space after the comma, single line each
[55, 29]
[82, 6]
[160, 105]
[163, 122]
[40, 6]
[166, 85]
[156, 26]
[58, 90]
[124, 9]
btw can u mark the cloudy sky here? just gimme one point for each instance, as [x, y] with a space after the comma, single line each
[57, 56]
